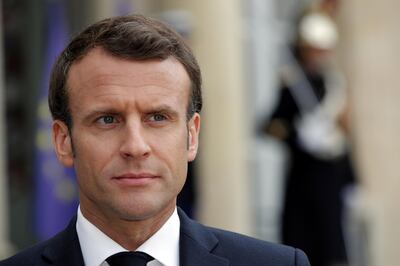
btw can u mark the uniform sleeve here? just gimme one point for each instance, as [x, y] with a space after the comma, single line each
[286, 108]
[281, 122]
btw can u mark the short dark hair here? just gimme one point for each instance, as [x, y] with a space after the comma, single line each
[132, 37]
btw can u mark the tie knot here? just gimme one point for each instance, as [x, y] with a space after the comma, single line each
[127, 258]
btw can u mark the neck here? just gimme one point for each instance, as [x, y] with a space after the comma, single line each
[129, 234]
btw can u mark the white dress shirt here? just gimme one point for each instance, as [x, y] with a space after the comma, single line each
[96, 246]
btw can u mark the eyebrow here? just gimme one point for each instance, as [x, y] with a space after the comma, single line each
[97, 112]
[114, 111]
[163, 109]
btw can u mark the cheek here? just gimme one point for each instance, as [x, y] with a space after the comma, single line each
[91, 171]
[91, 157]
[173, 150]
[181, 161]
[94, 145]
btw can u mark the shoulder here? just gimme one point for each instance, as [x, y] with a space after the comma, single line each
[236, 248]
[63, 247]
[28, 256]
[245, 250]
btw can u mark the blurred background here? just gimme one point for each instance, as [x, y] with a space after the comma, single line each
[299, 139]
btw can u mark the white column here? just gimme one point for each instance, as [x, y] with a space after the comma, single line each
[264, 32]
[224, 177]
[371, 51]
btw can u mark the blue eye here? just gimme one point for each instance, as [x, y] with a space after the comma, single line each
[158, 117]
[107, 119]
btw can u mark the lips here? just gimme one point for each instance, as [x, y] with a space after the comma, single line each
[131, 179]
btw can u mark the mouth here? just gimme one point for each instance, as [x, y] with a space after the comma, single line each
[131, 179]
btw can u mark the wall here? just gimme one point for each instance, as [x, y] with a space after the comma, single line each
[371, 43]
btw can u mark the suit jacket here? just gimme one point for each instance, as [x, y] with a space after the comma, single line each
[199, 246]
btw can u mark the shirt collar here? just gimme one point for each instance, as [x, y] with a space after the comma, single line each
[162, 246]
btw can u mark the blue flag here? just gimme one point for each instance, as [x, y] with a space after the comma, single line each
[56, 196]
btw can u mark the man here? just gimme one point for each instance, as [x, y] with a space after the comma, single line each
[309, 119]
[125, 96]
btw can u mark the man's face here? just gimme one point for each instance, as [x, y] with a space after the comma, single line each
[130, 140]
[315, 59]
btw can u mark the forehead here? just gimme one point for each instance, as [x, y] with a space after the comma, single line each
[99, 71]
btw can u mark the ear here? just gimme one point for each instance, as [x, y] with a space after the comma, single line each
[62, 143]
[193, 138]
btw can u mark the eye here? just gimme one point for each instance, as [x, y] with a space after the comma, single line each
[107, 119]
[157, 117]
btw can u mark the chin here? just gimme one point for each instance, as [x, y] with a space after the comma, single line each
[139, 210]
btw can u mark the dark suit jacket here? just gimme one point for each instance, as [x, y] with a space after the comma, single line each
[199, 246]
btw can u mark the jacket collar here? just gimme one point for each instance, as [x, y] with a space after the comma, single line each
[197, 244]
[64, 248]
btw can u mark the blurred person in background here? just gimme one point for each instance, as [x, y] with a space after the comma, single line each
[125, 97]
[310, 119]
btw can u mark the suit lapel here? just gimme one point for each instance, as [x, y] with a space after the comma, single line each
[64, 249]
[196, 244]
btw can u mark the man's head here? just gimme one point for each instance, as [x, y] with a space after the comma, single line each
[133, 37]
[317, 38]
[125, 97]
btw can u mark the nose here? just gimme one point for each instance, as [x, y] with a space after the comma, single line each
[134, 144]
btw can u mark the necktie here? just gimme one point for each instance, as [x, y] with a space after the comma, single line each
[126, 258]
